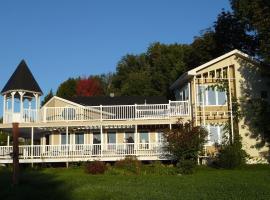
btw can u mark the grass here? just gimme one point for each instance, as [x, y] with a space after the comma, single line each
[252, 182]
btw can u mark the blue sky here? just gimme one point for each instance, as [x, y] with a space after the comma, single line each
[61, 39]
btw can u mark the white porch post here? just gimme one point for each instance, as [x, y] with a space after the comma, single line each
[12, 101]
[37, 105]
[8, 139]
[4, 107]
[67, 146]
[32, 144]
[21, 105]
[136, 139]
[101, 140]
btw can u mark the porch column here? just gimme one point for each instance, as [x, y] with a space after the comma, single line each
[12, 101]
[8, 138]
[32, 145]
[4, 107]
[67, 146]
[37, 105]
[21, 104]
[136, 139]
[101, 140]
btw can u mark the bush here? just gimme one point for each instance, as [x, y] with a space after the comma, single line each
[184, 141]
[130, 164]
[186, 166]
[231, 156]
[95, 167]
[157, 168]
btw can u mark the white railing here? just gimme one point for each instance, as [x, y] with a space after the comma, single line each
[102, 113]
[116, 112]
[83, 151]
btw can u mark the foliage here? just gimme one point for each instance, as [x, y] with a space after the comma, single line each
[95, 167]
[157, 168]
[3, 139]
[150, 73]
[231, 155]
[206, 183]
[184, 141]
[47, 98]
[186, 166]
[256, 16]
[130, 164]
[67, 89]
[90, 86]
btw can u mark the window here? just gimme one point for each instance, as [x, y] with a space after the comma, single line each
[182, 94]
[144, 137]
[216, 133]
[210, 96]
[129, 137]
[64, 139]
[96, 138]
[79, 138]
[201, 97]
[221, 97]
[160, 137]
[111, 137]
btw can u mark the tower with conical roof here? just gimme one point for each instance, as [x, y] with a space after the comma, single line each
[21, 86]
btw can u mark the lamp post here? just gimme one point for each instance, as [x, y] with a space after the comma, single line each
[15, 134]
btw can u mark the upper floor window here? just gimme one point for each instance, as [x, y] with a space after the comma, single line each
[182, 94]
[210, 96]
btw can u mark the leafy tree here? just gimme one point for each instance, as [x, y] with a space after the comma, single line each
[47, 98]
[185, 141]
[166, 65]
[67, 89]
[256, 15]
[230, 33]
[89, 87]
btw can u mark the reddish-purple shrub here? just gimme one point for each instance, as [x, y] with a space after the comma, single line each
[95, 167]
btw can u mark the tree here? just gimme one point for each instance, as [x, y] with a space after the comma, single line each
[67, 89]
[185, 141]
[256, 15]
[47, 98]
[231, 33]
[89, 87]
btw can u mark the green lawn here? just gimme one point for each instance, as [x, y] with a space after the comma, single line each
[253, 182]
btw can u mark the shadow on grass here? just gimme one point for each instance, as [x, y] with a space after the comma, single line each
[34, 184]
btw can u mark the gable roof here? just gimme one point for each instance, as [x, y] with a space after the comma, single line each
[118, 100]
[187, 75]
[22, 79]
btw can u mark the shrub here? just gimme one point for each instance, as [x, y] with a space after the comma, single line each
[186, 166]
[184, 141]
[130, 164]
[95, 167]
[157, 168]
[231, 155]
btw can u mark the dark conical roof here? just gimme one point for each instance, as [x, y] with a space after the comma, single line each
[22, 79]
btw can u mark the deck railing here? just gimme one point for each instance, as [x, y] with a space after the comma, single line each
[116, 112]
[83, 151]
[102, 113]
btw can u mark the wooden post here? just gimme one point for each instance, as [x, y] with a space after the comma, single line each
[15, 133]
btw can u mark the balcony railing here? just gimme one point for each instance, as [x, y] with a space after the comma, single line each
[85, 151]
[102, 113]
